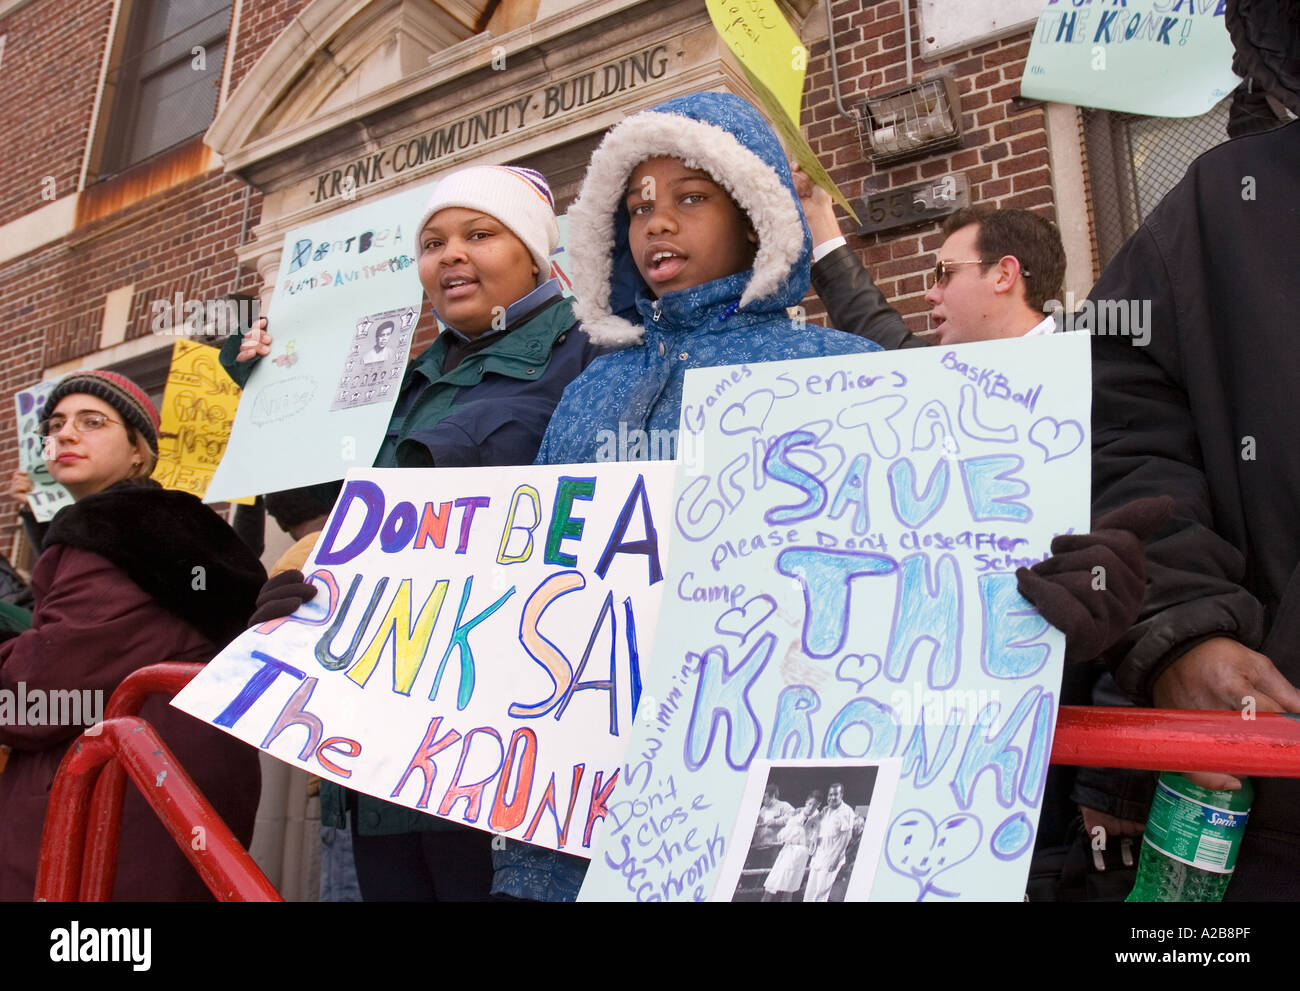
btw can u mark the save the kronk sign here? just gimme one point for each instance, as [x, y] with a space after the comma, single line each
[474, 650]
[843, 586]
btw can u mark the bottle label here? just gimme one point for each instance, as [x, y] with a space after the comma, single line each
[1200, 835]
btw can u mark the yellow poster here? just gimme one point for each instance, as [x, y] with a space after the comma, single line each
[198, 408]
[774, 62]
[761, 38]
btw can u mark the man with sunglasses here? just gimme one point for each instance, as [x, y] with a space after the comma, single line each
[995, 272]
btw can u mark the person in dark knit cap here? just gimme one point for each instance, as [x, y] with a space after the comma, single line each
[131, 575]
[76, 472]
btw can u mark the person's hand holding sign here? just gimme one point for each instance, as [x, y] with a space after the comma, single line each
[20, 486]
[256, 343]
[1092, 586]
[281, 596]
[818, 207]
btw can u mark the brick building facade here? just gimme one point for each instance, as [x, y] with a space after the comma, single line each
[92, 234]
[87, 251]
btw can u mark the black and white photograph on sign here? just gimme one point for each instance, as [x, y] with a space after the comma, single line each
[807, 833]
[376, 361]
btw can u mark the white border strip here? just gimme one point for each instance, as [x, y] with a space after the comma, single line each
[99, 94]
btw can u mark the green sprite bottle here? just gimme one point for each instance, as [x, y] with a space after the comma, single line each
[1191, 841]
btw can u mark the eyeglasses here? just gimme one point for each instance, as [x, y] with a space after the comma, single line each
[944, 269]
[85, 422]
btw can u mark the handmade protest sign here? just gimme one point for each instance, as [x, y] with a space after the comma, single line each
[1164, 58]
[475, 648]
[47, 496]
[774, 62]
[314, 408]
[842, 586]
[198, 409]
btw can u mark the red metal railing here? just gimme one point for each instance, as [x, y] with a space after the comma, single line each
[1179, 740]
[83, 824]
[104, 825]
[84, 819]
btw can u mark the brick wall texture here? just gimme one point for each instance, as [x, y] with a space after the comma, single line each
[52, 299]
[48, 81]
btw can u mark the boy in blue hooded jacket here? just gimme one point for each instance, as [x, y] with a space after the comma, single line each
[688, 245]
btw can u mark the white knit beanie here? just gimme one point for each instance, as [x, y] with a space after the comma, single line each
[519, 198]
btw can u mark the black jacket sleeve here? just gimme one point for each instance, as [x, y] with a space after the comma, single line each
[33, 530]
[855, 305]
[237, 370]
[1147, 441]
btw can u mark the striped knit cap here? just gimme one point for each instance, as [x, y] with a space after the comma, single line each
[519, 198]
[119, 392]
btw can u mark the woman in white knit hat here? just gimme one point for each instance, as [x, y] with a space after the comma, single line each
[481, 394]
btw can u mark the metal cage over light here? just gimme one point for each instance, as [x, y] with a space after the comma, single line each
[912, 120]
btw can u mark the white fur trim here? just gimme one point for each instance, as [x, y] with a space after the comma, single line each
[752, 183]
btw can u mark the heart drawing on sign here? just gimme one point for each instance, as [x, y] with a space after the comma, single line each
[1056, 438]
[916, 848]
[748, 414]
[743, 620]
[857, 669]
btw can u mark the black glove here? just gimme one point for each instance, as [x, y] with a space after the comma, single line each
[1095, 608]
[281, 596]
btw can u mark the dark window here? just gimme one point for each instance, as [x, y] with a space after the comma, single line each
[148, 371]
[162, 90]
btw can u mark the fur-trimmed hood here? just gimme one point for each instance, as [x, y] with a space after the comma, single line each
[174, 547]
[724, 136]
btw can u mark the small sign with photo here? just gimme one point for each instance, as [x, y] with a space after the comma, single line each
[372, 372]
